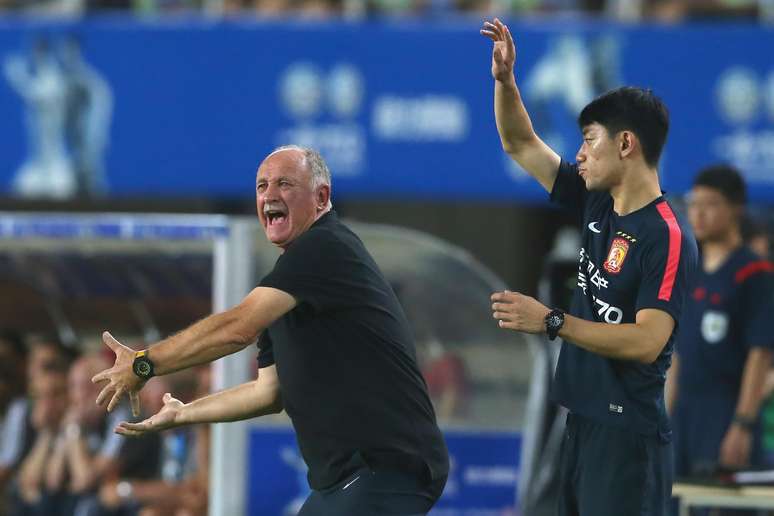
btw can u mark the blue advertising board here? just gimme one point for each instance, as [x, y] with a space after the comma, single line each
[482, 482]
[399, 109]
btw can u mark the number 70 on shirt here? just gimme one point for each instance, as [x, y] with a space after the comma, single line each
[611, 314]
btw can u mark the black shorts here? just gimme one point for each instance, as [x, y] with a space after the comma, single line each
[609, 471]
[374, 490]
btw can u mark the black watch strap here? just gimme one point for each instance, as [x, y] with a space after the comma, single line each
[747, 423]
[554, 323]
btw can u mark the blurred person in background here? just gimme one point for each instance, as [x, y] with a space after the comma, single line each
[635, 268]
[13, 355]
[447, 379]
[443, 369]
[85, 449]
[48, 405]
[677, 11]
[179, 486]
[44, 355]
[724, 349]
[755, 235]
[364, 422]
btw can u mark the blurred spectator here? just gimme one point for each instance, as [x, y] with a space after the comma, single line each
[45, 353]
[447, 379]
[75, 448]
[316, 9]
[48, 406]
[12, 401]
[673, 11]
[45, 357]
[444, 370]
[756, 236]
[13, 356]
[180, 486]
[725, 341]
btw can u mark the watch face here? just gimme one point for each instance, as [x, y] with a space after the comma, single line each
[142, 368]
[554, 320]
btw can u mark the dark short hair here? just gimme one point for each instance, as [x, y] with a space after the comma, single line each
[753, 227]
[631, 109]
[725, 179]
[14, 341]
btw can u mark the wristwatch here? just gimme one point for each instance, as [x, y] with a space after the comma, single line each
[142, 365]
[554, 323]
[747, 423]
[124, 490]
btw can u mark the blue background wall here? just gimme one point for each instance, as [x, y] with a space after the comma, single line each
[198, 104]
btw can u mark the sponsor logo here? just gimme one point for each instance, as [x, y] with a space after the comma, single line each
[714, 326]
[615, 258]
[618, 409]
[351, 482]
[593, 227]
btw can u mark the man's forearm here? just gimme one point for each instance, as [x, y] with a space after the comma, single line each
[513, 122]
[619, 341]
[209, 339]
[244, 401]
[756, 367]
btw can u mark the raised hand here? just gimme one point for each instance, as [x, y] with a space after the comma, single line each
[121, 378]
[167, 417]
[503, 51]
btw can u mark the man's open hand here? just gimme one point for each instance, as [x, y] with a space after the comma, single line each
[121, 378]
[503, 51]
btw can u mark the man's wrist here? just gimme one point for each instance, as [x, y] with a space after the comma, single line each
[746, 423]
[508, 81]
[124, 490]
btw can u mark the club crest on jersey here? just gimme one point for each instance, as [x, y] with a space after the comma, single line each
[615, 258]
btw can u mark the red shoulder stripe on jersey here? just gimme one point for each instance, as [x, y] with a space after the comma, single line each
[752, 268]
[675, 245]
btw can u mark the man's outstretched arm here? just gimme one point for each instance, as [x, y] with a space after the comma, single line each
[513, 123]
[205, 341]
[244, 401]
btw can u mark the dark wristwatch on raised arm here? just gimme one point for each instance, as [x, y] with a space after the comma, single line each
[142, 365]
[554, 323]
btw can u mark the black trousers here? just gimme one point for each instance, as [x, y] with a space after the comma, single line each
[609, 471]
[376, 491]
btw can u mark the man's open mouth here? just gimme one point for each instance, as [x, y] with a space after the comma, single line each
[275, 217]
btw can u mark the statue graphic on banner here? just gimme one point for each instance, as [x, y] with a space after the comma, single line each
[68, 111]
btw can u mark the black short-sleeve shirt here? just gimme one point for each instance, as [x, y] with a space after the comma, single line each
[346, 361]
[645, 259]
[729, 312]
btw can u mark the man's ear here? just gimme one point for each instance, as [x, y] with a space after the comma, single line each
[627, 143]
[323, 196]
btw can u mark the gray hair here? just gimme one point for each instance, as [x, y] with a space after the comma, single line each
[318, 169]
[317, 166]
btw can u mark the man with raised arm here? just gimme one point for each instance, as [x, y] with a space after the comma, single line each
[636, 263]
[336, 352]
